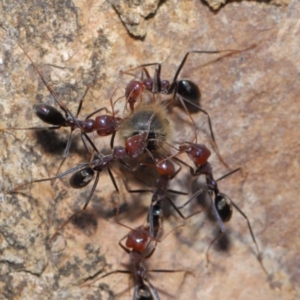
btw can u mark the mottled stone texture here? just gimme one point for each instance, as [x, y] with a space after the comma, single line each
[134, 14]
[252, 98]
[216, 4]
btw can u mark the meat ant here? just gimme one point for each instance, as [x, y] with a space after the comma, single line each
[222, 204]
[187, 91]
[139, 246]
[84, 173]
[166, 171]
[104, 125]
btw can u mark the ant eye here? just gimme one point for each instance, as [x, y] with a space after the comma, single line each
[134, 89]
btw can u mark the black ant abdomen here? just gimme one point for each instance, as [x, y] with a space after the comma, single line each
[49, 114]
[142, 292]
[82, 178]
[190, 93]
[224, 207]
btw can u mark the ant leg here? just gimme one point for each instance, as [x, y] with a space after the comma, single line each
[54, 95]
[192, 171]
[81, 100]
[232, 51]
[153, 289]
[78, 212]
[164, 271]
[143, 66]
[179, 212]
[112, 140]
[213, 139]
[229, 173]
[259, 254]
[217, 215]
[120, 244]
[186, 110]
[156, 80]
[145, 71]
[66, 152]
[210, 245]
[113, 179]
[200, 191]
[177, 192]
[14, 190]
[173, 87]
[106, 275]
[97, 111]
[31, 128]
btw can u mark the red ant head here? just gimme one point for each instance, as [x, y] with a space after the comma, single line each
[133, 90]
[135, 145]
[137, 239]
[198, 153]
[165, 167]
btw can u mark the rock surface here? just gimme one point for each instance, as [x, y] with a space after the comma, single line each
[252, 98]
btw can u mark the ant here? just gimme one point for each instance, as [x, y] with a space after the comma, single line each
[186, 90]
[139, 246]
[104, 125]
[222, 204]
[84, 173]
[166, 171]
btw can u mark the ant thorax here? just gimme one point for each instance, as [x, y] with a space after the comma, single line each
[151, 119]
